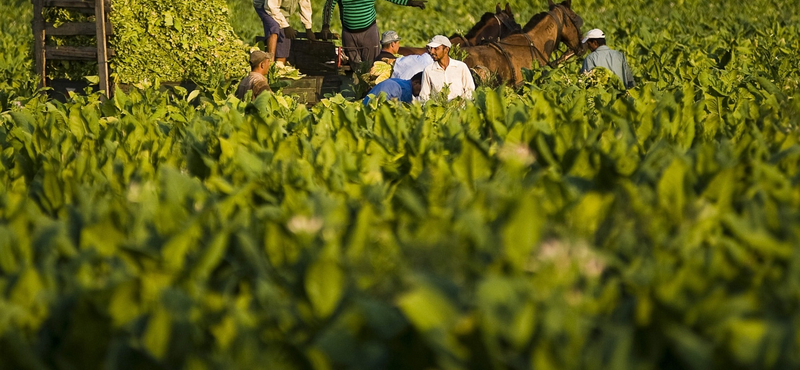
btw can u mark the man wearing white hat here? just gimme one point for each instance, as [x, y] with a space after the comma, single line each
[445, 72]
[603, 56]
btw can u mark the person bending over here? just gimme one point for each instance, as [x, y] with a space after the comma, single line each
[397, 88]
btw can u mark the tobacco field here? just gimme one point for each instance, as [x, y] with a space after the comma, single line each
[567, 224]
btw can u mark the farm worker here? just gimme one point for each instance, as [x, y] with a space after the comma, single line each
[260, 62]
[360, 37]
[382, 66]
[277, 31]
[445, 72]
[603, 56]
[397, 88]
[390, 45]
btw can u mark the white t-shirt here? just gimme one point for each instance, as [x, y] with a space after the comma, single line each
[457, 76]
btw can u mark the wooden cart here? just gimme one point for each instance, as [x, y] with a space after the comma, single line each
[320, 61]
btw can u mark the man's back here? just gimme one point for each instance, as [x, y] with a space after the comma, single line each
[254, 81]
[612, 60]
[394, 88]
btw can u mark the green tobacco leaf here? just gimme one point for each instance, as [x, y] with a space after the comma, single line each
[325, 284]
[590, 211]
[211, 257]
[175, 250]
[157, 335]
[192, 95]
[28, 289]
[123, 306]
[8, 261]
[473, 164]
[77, 125]
[671, 192]
[93, 80]
[427, 309]
[522, 231]
[494, 110]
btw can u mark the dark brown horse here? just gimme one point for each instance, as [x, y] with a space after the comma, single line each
[537, 41]
[491, 27]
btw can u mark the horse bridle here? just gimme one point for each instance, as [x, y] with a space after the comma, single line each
[505, 20]
[577, 22]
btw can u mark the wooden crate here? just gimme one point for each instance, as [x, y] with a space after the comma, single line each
[314, 58]
[311, 89]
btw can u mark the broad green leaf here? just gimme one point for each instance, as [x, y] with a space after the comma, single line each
[671, 192]
[325, 286]
[522, 231]
[157, 333]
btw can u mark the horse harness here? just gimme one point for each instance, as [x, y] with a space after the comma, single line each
[501, 21]
[531, 46]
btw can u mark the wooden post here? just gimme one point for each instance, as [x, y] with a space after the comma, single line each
[38, 41]
[102, 57]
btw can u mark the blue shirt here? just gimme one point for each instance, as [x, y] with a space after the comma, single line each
[612, 60]
[394, 88]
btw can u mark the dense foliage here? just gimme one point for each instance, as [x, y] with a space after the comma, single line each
[175, 41]
[569, 224]
[16, 63]
[153, 40]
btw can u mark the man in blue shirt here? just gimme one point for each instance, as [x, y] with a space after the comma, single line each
[397, 88]
[603, 56]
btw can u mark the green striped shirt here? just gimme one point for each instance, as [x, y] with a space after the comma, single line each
[356, 14]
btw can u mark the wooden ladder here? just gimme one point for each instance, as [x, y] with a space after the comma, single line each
[101, 28]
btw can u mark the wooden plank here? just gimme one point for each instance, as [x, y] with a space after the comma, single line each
[73, 52]
[102, 56]
[38, 42]
[74, 4]
[307, 82]
[75, 29]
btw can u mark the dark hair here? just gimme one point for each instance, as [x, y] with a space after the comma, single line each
[417, 77]
[600, 42]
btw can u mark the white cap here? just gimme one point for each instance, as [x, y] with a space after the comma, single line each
[593, 34]
[439, 40]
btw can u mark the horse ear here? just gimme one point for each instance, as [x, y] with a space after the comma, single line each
[497, 9]
[508, 9]
[568, 3]
[550, 3]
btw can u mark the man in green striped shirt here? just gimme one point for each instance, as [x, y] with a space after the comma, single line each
[360, 36]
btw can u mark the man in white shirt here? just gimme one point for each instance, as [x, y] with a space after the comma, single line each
[445, 72]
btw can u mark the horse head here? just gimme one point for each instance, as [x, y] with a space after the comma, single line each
[491, 27]
[506, 17]
[571, 27]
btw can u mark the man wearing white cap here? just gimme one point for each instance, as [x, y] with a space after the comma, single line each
[603, 56]
[445, 72]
